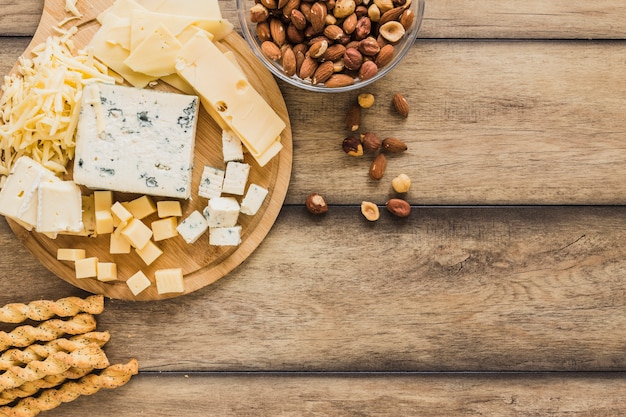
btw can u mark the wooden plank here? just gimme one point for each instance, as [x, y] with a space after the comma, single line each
[191, 395]
[533, 19]
[448, 289]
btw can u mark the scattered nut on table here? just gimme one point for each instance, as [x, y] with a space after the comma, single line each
[401, 183]
[370, 211]
[316, 204]
[398, 207]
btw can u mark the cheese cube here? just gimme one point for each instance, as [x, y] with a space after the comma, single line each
[66, 254]
[60, 207]
[104, 222]
[222, 212]
[136, 140]
[235, 178]
[169, 280]
[120, 214]
[138, 282]
[137, 233]
[86, 268]
[103, 200]
[232, 149]
[253, 200]
[168, 208]
[149, 253]
[194, 226]
[118, 244]
[164, 228]
[107, 271]
[141, 207]
[225, 236]
[211, 182]
[89, 215]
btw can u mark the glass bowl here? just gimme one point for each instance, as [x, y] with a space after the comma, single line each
[347, 31]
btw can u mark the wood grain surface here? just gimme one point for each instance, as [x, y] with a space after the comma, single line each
[503, 293]
[201, 263]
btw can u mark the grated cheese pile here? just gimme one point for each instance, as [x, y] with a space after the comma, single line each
[39, 106]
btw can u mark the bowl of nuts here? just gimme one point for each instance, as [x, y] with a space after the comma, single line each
[330, 45]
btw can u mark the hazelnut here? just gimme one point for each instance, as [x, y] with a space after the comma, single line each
[401, 183]
[365, 100]
[371, 142]
[369, 46]
[316, 204]
[344, 8]
[353, 117]
[398, 207]
[368, 70]
[392, 31]
[370, 211]
[258, 13]
[352, 59]
[352, 146]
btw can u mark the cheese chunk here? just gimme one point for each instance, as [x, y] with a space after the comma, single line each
[138, 282]
[60, 207]
[164, 228]
[104, 222]
[19, 196]
[253, 200]
[169, 280]
[232, 149]
[194, 226]
[137, 233]
[86, 268]
[169, 208]
[235, 178]
[211, 182]
[121, 215]
[222, 212]
[67, 254]
[225, 236]
[141, 207]
[206, 9]
[107, 271]
[145, 144]
[229, 98]
[118, 244]
[102, 200]
[149, 253]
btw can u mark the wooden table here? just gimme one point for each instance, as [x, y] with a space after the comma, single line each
[503, 294]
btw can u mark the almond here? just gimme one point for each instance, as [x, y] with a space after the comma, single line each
[339, 80]
[385, 55]
[294, 36]
[349, 24]
[309, 65]
[401, 104]
[277, 29]
[398, 207]
[288, 62]
[378, 166]
[270, 50]
[318, 49]
[258, 13]
[290, 7]
[334, 52]
[298, 20]
[333, 32]
[393, 145]
[323, 72]
[263, 31]
[389, 15]
[407, 18]
[318, 16]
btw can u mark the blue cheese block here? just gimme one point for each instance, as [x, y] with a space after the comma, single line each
[136, 140]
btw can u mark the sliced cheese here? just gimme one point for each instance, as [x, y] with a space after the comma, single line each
[206, 9]
[156, 54]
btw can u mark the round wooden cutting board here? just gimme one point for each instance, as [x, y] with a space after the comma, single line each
[202, 264]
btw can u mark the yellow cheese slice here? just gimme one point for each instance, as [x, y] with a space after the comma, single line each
[228, 96]
[156, 54]
[205, 9]
[120, 8]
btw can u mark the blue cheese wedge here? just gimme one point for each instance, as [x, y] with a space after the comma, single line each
[136, 140]
[236, 178]
[225, 236]
[232, 148]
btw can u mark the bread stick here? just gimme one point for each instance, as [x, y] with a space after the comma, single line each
[33, 387]
[41, 310]
[90, 356]
[36, 352]
[112, 377]
[48, 330]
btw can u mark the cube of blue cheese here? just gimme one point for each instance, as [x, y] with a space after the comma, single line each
[194, 226]
[222, 212]
[235, 178]
[211, 182]
[232, 148]
[225, 236]
[136, 140]
[253, 200]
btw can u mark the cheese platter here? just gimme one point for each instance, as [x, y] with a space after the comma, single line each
[198, 259]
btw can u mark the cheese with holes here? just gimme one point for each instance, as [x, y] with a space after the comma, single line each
[136, 140]
[230, 99]
[206, 9]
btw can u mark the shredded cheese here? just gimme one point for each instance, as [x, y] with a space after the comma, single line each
[39, 106]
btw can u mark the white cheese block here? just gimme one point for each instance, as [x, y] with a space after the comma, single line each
[146, 143]
[60, 207]
[235, 178]
[253, 200]
[211, 182]
[222, 212]
[225, 236]
[232, 149]
[194, 226]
